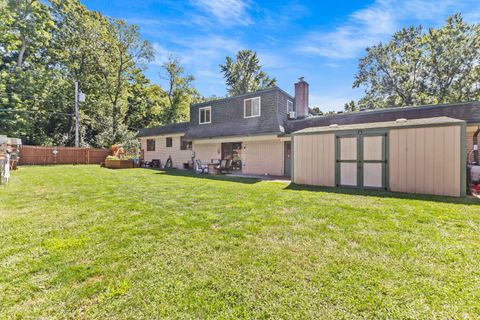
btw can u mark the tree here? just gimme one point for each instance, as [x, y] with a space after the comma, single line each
[27, 25]
[417, 67]
[180, 92]
[452, 61]
[245, 74]
[123, 51]
[146, 102]
[351, 106]
[392, 72]
[44, 48]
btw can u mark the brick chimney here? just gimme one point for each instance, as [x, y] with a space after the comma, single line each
[301, 98]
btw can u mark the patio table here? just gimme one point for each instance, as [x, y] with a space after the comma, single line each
[212, 170]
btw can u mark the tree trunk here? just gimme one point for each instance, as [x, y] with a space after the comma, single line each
[114, 122]
[21, 53]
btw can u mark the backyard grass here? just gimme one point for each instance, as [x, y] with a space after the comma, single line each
[87, 242]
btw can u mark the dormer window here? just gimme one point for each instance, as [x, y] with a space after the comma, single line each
[251, 107]
[205, 115]
[289, 106]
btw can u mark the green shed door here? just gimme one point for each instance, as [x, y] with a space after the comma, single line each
[287, 158]
[361, 160]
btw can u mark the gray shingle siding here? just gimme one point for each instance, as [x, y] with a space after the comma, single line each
[228, 117]
[282, 113]
[469, 112]
[181, 127]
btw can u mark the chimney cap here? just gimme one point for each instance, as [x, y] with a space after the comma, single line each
[301, 79]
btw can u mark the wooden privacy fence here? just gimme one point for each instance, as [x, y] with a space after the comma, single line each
[38, 155]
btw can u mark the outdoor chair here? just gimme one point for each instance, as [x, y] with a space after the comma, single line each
[155, 163]
[224, 166]
[221, 165]
[229, 166]
[200, 167]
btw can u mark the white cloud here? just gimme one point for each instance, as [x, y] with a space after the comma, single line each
[227, 12]
[161, 54]
[201, 56]
[376, 23]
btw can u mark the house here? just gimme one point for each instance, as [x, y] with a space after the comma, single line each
[420, 149]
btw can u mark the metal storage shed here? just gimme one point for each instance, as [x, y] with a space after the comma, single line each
[424, 156]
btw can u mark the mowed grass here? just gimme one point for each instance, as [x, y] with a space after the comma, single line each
[87, 242]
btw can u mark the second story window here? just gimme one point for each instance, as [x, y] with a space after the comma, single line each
[150, 144]
[251, 107]
[289, 106]
[169, 142]
[205, 115]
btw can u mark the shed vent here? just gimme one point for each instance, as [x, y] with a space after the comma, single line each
[401, 120]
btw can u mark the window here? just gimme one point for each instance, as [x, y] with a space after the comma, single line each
[150, 144]
[289, 106]
[251, 107]
[205, 115]
[169, 142]
[185, 144]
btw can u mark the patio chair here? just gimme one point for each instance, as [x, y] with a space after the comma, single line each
[169, 163]
[229, 166]
[224, 166]
[155, 163]
[221, 165]
[200, 167]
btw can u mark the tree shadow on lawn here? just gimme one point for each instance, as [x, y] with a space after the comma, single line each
[469, 200]
[185, 173]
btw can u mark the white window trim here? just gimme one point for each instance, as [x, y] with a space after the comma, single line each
[259, 107]
[288, 111]
[200, 115]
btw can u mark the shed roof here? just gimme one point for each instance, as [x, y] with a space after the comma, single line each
[423, 122]
[468, 111]
[181, 127]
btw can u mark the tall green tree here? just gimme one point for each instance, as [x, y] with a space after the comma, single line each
[245, 74]
[123, 52]
[417, 67]
[46, 48]
[351, 106]
[146, 102]
[180, 92]
[452, 61]
[26, 29]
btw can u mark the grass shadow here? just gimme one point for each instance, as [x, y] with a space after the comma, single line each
[469, 200]
[185, 173]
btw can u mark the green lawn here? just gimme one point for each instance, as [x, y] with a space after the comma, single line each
[87, 242]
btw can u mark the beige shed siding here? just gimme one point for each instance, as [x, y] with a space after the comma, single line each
[314, 159]
[425, 160]
[205, 152]
[263, 157]
[162, 152]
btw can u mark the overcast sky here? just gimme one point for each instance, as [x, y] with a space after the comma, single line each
[320, 41]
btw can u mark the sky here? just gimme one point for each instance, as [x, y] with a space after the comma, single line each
[319, 40]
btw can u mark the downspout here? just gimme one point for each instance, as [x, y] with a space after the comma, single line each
[475, 146]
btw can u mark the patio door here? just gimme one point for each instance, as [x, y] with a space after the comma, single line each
[233, 151]
[361, 160]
